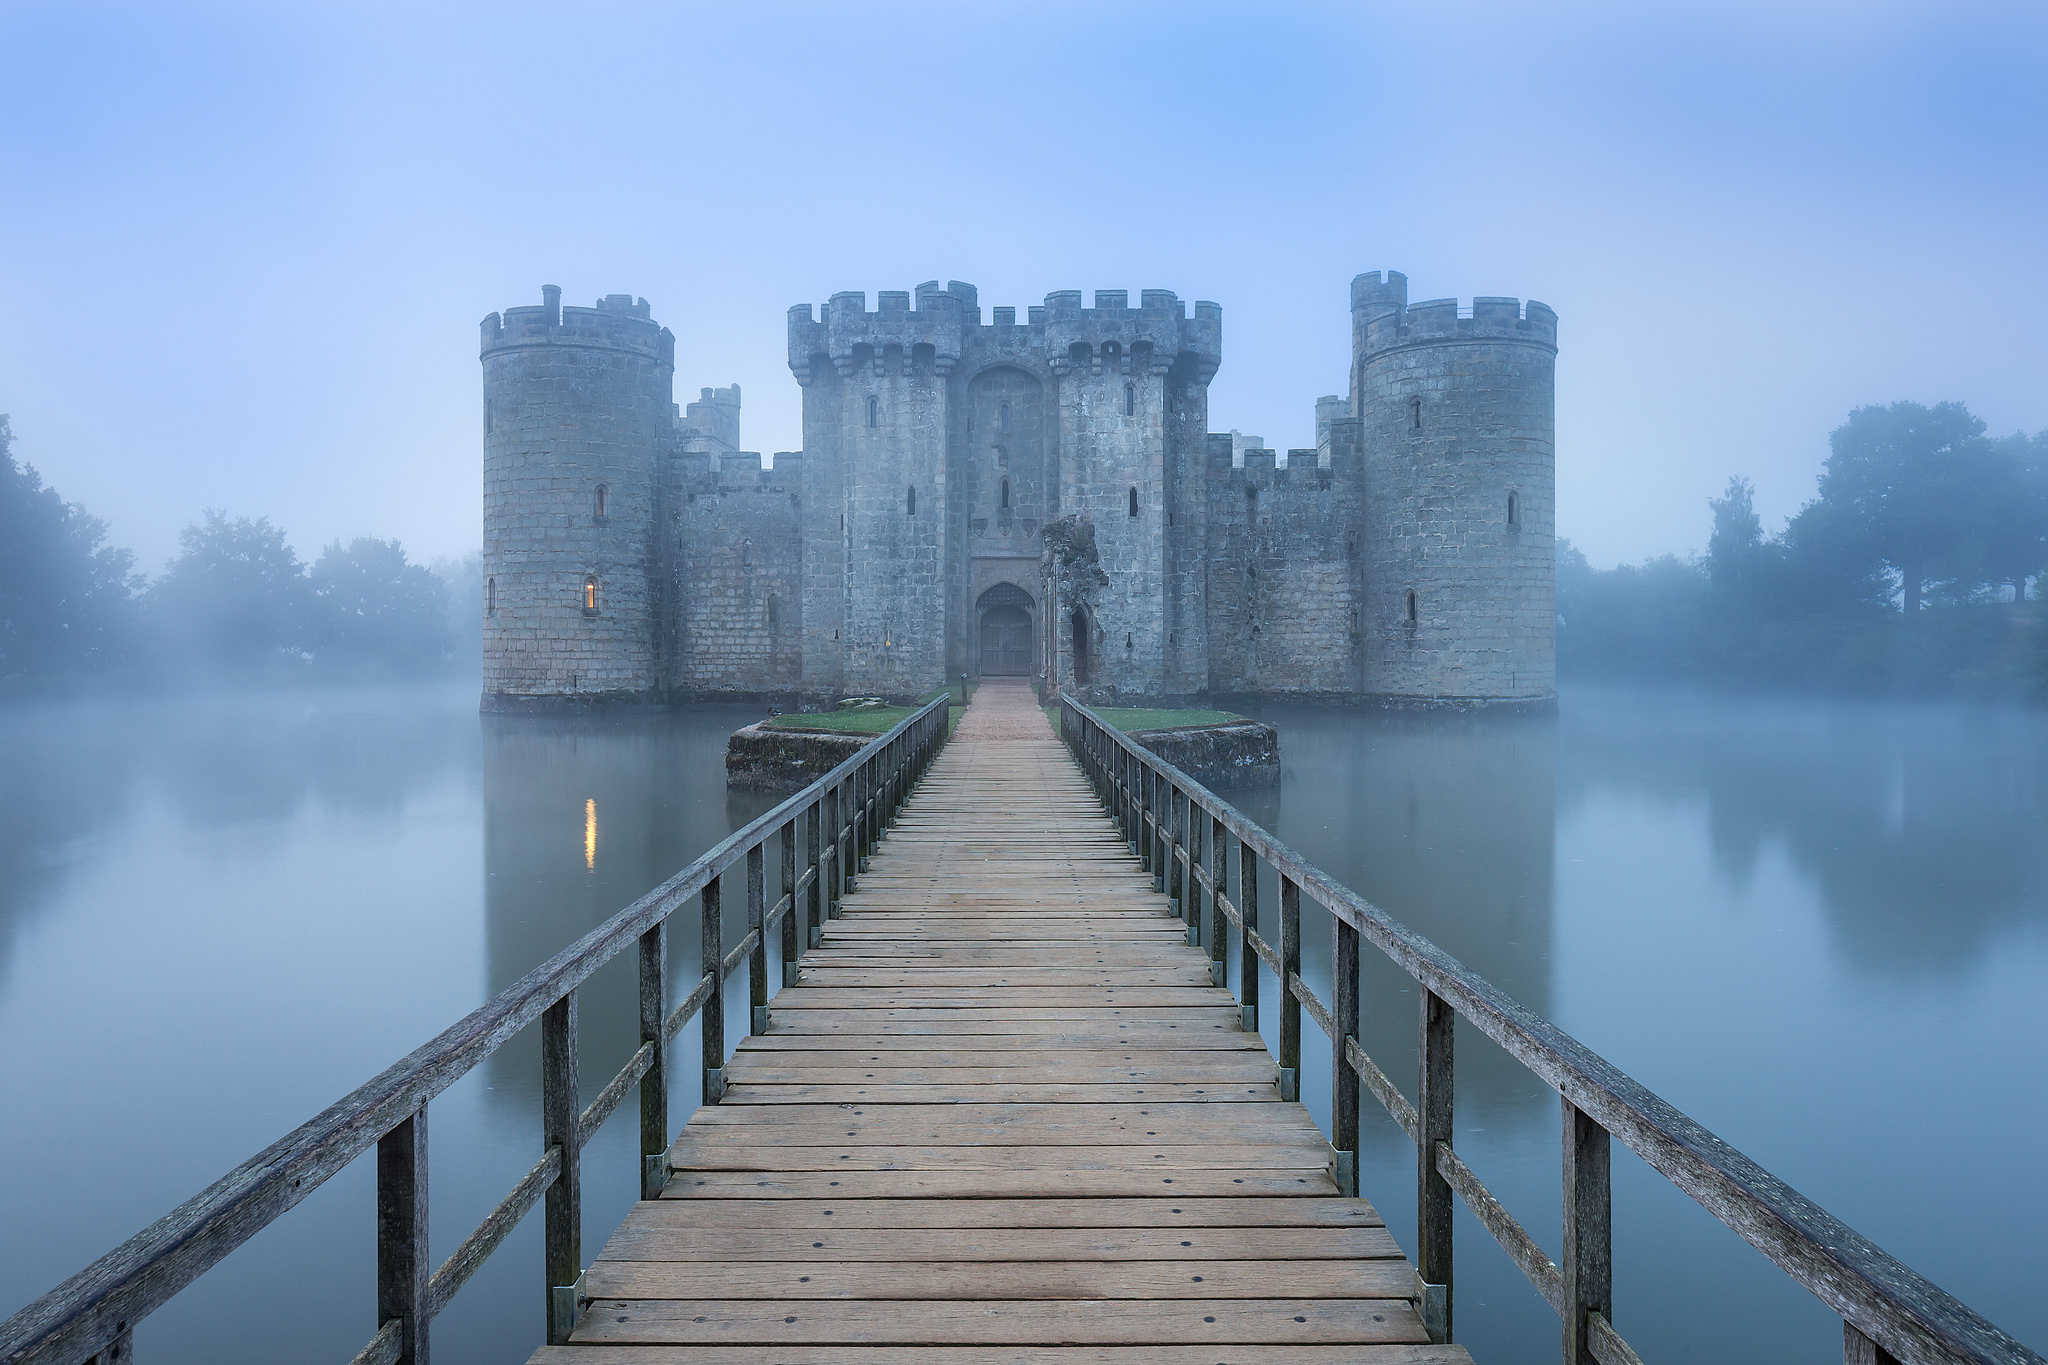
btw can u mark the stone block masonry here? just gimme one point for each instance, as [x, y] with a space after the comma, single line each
[634, 554]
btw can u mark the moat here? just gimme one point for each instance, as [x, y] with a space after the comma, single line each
[217, 916]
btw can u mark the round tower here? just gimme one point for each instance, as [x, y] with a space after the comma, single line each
[579, 409]
[1457, 414]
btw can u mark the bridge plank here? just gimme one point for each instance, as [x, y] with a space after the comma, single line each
[1001, 1115]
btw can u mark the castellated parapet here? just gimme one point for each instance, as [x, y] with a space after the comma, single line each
[1405, 560]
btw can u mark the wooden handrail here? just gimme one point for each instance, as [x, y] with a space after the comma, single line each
[1890, 1311]
[97, 1309]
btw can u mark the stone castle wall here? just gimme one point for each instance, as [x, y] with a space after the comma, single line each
[1458, 418]
[1285, 572]
[736, 575]
[578, 410]
[1408, 558]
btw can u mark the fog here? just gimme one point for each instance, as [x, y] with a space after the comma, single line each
[246, 246]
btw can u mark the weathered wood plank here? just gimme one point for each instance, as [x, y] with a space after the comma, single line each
[1018, 1184]
[1298, 1279]
[1177, 1211]
[1032, 1354]
[719, 1322]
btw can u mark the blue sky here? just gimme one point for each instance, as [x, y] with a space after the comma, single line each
[246, 246]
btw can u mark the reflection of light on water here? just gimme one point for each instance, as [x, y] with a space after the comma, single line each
[590, 834]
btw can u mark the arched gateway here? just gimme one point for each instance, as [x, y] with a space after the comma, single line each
[1005, 612]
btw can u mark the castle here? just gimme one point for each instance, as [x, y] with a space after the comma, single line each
[633, 555]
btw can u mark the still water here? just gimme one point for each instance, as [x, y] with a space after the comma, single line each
[1820, 929]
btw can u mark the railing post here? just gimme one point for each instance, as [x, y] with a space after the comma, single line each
[814, 899]
[1588, 1261]
[402, 1264]
[1219, 923]
[1858, 1349]
[845, 819]
[1290, 1007]
[1248, 956]
[654, 1085]
[757, 925]
[559, 1107]
[1343, 1077]
[1143, 801]
[1162, 807]
[1177, 877]
[792, 918]
[1433, 1199]
[711, 1019]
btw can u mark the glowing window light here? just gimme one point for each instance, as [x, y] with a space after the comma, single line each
[590, 834]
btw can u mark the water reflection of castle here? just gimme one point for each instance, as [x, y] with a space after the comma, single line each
[582, 816]
[1449, 824]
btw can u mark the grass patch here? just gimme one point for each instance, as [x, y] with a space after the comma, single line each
[873, 720]
[1128, 718]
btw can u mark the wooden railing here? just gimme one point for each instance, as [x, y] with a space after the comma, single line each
[91, 1317]
[1184, 834]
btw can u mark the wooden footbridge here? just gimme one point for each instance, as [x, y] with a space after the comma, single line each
[1003, 1109]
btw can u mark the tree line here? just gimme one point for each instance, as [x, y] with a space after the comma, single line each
[1913, 571]
[236, 601]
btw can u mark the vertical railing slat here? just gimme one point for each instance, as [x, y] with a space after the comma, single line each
[1219, 922]
[1247, 956]
[654, 1085]
[402, 1264]
[757, 925]
[1433, 1195]
[711, 1019]
[792, 918]
[1343, 1078]
[1588, 1263]
[560, 1103]
[1290, 1008]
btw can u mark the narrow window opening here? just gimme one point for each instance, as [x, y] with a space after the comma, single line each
[1134, 502]
[490, 416]
[874, 411]
[590, 595]
[490, 597]
[1411, 606]
[910, 502]
[1415, 414]
[1130, 400]
[746, 554]
[1003, 418]
[774, 610]
[1004, 496]
[1127, 639]
[1514, 509]
[597, 501]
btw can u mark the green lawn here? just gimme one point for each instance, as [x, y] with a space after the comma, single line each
[1128, 718]
[872, 720]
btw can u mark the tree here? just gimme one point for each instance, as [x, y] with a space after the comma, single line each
[2014, 535]
[236, 596]
[66, 597]
[376, 609]
[1737, 540]
[1910, 480]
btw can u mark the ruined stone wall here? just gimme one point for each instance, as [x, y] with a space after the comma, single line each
[1458, 419]
[737, 575]
[1285, 569]
[578, 411]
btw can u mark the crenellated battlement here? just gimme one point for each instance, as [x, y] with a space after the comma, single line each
[1383, 319]
[619, 322]
[892, 335]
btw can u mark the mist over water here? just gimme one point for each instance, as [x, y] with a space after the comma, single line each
[1819, 928]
